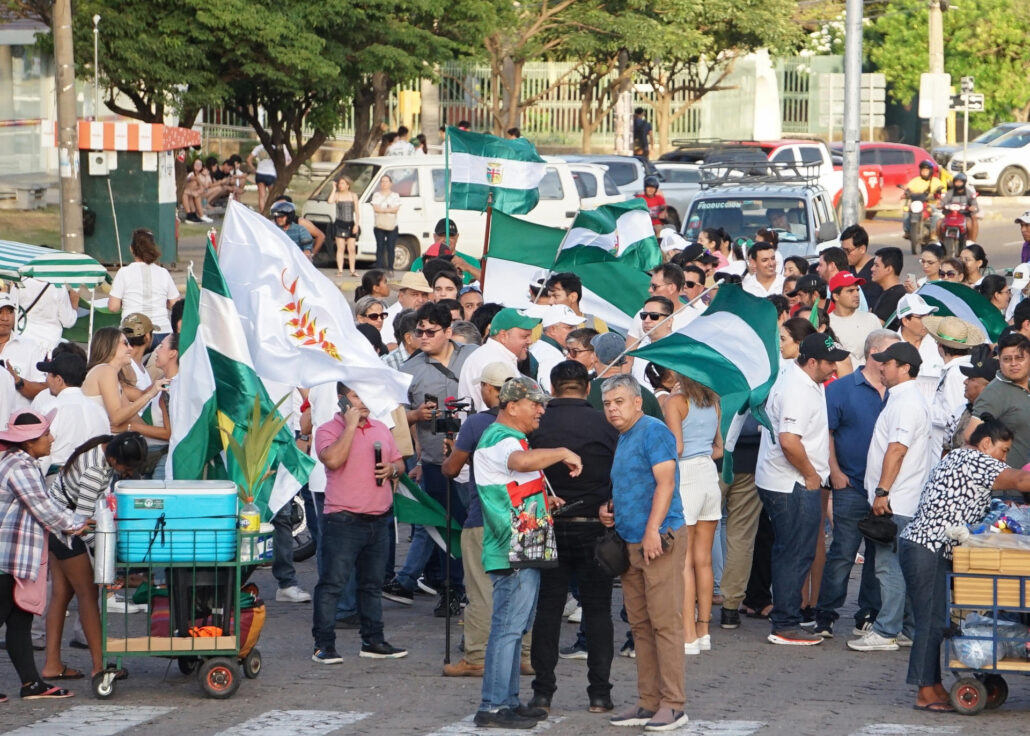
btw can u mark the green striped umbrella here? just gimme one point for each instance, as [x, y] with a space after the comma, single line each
[19, 261]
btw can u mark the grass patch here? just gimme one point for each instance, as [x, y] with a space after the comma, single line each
[34, 227]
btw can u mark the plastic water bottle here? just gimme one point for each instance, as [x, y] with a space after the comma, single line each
[104, 543]
[250, 518]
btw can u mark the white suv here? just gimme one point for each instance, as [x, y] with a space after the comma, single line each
[1001, 166]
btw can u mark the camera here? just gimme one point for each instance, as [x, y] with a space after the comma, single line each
[446, 420]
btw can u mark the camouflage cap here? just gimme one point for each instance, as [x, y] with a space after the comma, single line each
[523, 387]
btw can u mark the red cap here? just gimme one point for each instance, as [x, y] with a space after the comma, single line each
[845, 278]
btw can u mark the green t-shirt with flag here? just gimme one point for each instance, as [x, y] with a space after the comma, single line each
[518, 530]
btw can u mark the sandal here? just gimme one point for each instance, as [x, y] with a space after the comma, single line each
[67, 673]
[941, 706]
[40, 690]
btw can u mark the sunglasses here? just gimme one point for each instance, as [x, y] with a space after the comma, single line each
[949, 274]
[691, 284]
[654, 287]
[374, 315]
[426, 333]
[652, 315]
[573, 352]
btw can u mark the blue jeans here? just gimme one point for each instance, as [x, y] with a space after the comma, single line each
[795, 518]
[514, 605]
[351, 547]
[719, 554]
[895, 607]
[926, 577]
[348, 605]
[386, 243]
[850, 506]
[422, 545]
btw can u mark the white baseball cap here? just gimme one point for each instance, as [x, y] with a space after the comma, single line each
[560, 314]
[1021, 276]
[1023, 219]
[913, 304]
[6, 300]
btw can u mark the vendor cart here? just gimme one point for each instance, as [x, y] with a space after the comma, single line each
[993, 581]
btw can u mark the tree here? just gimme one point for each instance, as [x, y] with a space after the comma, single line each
[985, 39]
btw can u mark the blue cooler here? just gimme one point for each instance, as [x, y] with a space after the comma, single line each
[176, 521]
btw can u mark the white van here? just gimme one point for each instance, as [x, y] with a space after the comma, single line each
[420, 182]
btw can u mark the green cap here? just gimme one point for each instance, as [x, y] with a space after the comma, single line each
[523, 387]
[509, 318]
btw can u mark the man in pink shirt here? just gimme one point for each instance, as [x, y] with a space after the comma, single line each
[357, 524]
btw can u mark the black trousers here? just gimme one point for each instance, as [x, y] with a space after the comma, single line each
[759, 585]
[19, 632]
[576, 542]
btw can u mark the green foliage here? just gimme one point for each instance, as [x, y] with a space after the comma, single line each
[985, 39]
[251, 455]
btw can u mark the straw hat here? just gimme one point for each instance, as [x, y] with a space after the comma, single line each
[954, 332]
[414, 280]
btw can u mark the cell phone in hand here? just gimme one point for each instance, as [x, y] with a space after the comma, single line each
[344, 404]
[430, 399]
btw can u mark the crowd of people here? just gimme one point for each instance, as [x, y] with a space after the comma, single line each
[552, 446]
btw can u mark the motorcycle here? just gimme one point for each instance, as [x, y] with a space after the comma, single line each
[918, 223]
[954, 239]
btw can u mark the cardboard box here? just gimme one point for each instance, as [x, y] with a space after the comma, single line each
[991, 561]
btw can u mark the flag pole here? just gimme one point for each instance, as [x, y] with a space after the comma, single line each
[447, 189]
[486, 237]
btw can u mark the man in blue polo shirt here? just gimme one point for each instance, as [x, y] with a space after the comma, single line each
[853, 404]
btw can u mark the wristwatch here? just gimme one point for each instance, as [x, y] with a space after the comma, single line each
[19, 384]
[881, 493]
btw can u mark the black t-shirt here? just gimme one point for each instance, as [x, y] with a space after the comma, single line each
[888, 303]
[870, 289]
[574, 424]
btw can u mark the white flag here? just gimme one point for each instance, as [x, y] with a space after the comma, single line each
[298, 324]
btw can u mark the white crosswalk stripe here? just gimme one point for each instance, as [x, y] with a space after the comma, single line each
[719, 728]
[95, 720]
[904, 729]
[465, 727]
[307, 722]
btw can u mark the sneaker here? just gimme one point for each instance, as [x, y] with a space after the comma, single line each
[795, 638]
[44, 691]
[205, 218]
[634, 716]
[421, 586]
[117, 604]
[576, 616]
[326, 656]
[570, 606]
[503, 718]
[534, 712]
[628, 651]
[873, 642]
[705, 642]
[692, 647]
[863, 628]
[455, 606]
[808, 617]
[382, 650]
[729, 619]
[576, 651]
[825, 630]
[293, 594]
[666, 719]
[462, 668]
[904, 641]
[394, 591]
[191, 217]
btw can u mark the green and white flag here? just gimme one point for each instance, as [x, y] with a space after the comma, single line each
[623, 230]
[481, 163]
[958, 300]
[521, 251]
[733, 349]
[412, 505]
[219, 395]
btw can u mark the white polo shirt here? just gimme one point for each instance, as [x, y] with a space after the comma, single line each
[796, 405]
[931, 367]
[904, 419]
[949, 401]
[751, 285]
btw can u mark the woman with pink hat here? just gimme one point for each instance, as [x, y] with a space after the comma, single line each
[26, 512]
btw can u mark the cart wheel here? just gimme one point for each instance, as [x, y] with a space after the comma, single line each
[252, 664]
[968, 696]
[220, 677]
[997, 691]
[188, 665]
[103, 684]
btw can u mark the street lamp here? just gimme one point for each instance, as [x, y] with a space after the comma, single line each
[96, 67]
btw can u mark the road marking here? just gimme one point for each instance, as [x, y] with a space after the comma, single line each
[95, 720]
[719, 728]
[466, 727]
[903, 729]
[307, 722]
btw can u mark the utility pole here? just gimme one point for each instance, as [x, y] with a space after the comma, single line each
[938, 125]
[68, 130]
[851, 198]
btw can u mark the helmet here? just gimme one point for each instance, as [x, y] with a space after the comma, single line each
[651, 181]
[927, 163]
[959, 178]
[283, 208]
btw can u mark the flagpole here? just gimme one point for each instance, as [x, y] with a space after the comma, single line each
[667, 318]
[447, 189]
[486, 237]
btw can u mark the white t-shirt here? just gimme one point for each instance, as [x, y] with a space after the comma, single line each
[265, 164]
[49, 316]
[751, 286]
[948, 403]
[146, 288]
[852, 332]
[547, 356]
[930, 369]
[904, 419]
[400, 148]
[22, 353]
[796, 405]
[143, 379]
[78, 419]
[682, 317]
[468, 380]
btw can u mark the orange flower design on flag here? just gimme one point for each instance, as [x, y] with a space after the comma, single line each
[303, 328]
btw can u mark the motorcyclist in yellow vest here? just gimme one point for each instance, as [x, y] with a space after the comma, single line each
[926, 183]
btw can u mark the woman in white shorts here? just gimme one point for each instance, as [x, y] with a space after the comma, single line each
[693, 417]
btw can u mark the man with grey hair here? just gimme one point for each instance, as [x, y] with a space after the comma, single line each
[853, 403]
[647, 512]
[465, 332]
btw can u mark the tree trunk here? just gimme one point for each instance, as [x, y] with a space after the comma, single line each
[587, 119]
[381, 84]
[511, 76]
[663, 116]
[363, 98]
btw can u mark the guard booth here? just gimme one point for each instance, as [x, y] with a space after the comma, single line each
[128, 181]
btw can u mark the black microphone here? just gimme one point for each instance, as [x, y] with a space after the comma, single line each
[378, 447]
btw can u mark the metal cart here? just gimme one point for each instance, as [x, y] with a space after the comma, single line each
[984, 687]
[193, 616]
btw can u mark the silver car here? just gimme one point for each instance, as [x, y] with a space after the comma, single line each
[1001, 166]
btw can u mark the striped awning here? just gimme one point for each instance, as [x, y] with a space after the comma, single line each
[20, 261]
